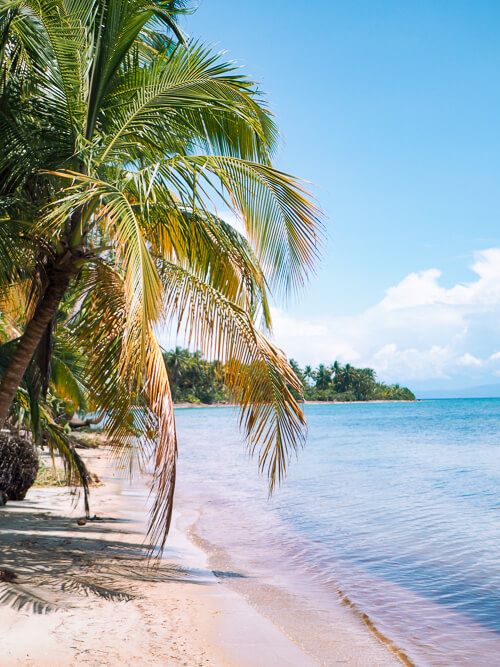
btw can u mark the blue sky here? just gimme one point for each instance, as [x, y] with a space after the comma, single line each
[391, 110]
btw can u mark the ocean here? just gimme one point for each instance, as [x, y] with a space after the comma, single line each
[391, 509]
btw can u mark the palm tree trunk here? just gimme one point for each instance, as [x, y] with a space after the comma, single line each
[58, 282]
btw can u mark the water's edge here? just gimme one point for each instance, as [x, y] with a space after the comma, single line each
[290, 604]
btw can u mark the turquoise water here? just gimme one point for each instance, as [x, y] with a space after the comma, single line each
[395, 506]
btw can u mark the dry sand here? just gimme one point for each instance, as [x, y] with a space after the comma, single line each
[85, 595]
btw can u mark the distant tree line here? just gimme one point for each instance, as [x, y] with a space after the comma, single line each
[347, 383]
[193, 379]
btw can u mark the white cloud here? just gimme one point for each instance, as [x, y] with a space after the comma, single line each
[420, 330]
[417, 289]
[422, 288]
[469, 360]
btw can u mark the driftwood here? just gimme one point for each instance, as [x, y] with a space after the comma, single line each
[76, 423]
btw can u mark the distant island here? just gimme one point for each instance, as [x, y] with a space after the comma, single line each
[337, 382]
[194, 380]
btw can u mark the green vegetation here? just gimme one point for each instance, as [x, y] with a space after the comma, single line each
[50, 476]
[347, 383]
[195, 380]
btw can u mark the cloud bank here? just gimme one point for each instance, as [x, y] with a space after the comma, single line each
[420, 332]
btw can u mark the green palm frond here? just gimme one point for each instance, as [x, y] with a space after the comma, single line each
[65, 28]
[282, 224]
[15, 254]
[185, 97]
[66, 385]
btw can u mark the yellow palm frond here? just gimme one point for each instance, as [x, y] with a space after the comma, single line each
[138, 412]
[257, 372]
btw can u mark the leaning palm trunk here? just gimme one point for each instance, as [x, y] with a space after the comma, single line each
[58, 280]
[121, 143]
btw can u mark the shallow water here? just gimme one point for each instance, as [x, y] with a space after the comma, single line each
[395, 506]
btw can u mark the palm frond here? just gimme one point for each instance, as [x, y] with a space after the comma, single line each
[66, 386]
[65, 28]
[59, 442]
[281, 222]
[196, 238]
[141, 281]
[139, 415]
[118, 27]
[257, 372]
[184, 97]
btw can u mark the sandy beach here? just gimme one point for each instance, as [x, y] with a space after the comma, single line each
[86, 594]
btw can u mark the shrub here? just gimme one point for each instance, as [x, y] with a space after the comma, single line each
[18, 466]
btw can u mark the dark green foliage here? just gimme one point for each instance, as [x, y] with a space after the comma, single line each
[18, 466]
[195, 380]
[347, 383]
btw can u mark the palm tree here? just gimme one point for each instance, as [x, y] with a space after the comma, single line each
[119, 144]
[309, 374]
[335, 368]
[344, 378]
[297, 370]
[53, 389]
[323, 377]
[177, 362]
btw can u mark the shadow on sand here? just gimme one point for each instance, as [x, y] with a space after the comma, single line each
[51, 559]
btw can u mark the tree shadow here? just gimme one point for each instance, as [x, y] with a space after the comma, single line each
[55, 562]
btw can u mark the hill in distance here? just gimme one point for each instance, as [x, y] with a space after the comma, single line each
[481, 391]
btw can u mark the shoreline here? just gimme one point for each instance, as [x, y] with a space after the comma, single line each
[374, 401]
[352, 637]
[84, 594]
[184, 404]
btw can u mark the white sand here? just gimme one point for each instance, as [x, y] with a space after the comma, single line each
[86, 596]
